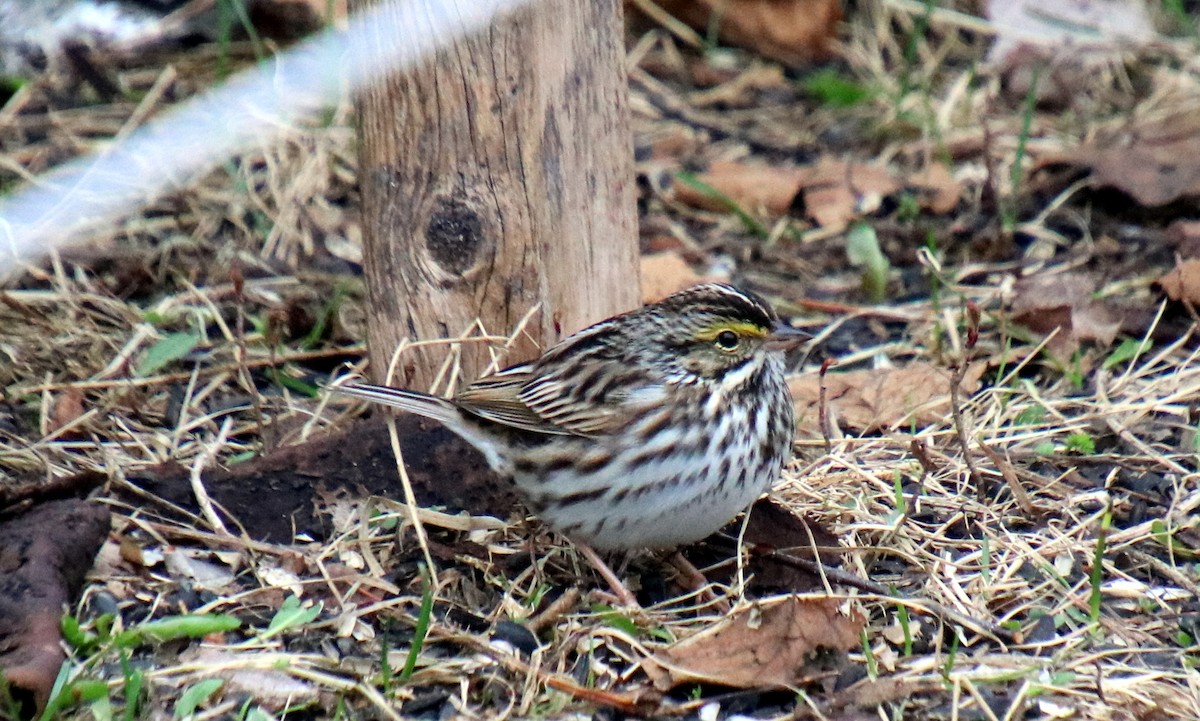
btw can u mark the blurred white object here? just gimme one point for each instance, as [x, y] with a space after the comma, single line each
[1062, 44]
[33, 31]
[1068, 24]
[245, 113]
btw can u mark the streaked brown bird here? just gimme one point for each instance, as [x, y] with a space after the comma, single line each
[650, 429]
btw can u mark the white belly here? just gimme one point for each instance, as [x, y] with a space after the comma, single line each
[657, 501]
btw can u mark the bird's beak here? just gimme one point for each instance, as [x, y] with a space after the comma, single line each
[785, 337]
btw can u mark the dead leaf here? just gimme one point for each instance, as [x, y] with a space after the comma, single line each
[1065, 301]
[661, 243]
[276, 577]
[940, 192]
[1154, 163]
[266, 682]
[664, 273]
[771, 526]
[884, 399]
[868, 693]
[775, 525]
[835, 192]
[1183, 283]
[768, 644]
[203, 574]
[135, 554]
[273, 688]
[1185, 234]
[65, 410]
[793, 32]
[753, 186]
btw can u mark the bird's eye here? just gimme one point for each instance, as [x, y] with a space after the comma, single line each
[727, 340]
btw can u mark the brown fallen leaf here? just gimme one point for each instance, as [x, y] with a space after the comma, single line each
[755, 187]
[664, 273]
[1155, 163]
[939, 191]
[772, 643]
[1183, 283]
[65, 410]
[663, 145]
[835, 192]
[1185, 235]
[884, 399]
[1064, 301]
[771, 526]
[793, 32]
[662, 243]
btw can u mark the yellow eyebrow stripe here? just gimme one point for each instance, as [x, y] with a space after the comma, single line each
[742, 329]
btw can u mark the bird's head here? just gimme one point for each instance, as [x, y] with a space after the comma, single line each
[714, 329]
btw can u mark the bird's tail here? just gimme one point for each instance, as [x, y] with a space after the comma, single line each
[423, 404]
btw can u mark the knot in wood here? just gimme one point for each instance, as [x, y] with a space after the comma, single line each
[454, 235]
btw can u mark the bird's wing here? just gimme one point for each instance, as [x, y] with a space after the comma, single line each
[584, 386]
[600, 402]
[497, 398]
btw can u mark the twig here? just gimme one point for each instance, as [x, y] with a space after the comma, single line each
[823, 406]
[846, 578]
[960, 423]
[920, 451]
[635, 705]
[674, 25]
[410, 497]
[170, 378]
[76, 53]
[989, 192]
[561, 606]
[148, 102]
[1010, 477]
[1122, 432]
[240, 353]
[836, 308]
[197, 479]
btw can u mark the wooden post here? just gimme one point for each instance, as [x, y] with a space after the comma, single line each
[496, 177]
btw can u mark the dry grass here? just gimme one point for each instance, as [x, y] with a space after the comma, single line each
[1087, 543]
